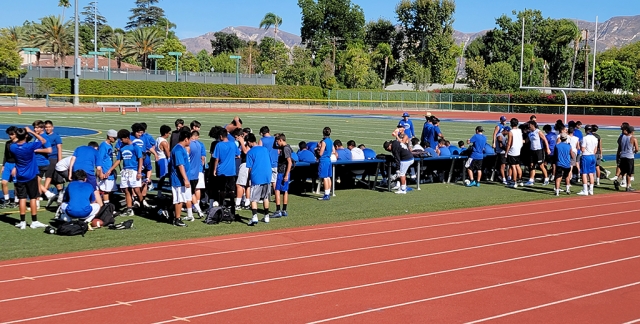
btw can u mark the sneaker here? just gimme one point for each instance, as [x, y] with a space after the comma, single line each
[568, 191]
[514, 185]
[607, 173]
[247, 205]
[189, 218]
[238, 207]
[591, 192]
[476, 183]
[215, 204]
[325, 197]
[616, 184]
[284, 213]
[21, 225]
[529, 183]
[266, 219]
[136, 204]
[546, 182]
[51, 200]
[396, 187]
[629, 189]
[583, 193]
[201, 215]
[277, 214]
[126, 213]
[613, 178]
[37, 224]
[557, 192]
[178, 222]
[253, 221]
[401, 192]
[504, 182]
[470, 184]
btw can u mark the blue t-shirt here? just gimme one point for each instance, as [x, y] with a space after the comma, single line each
[552, 138]
[129, 155]
[195, 159]
[267, 142]
[306, 156]
[562, 153]
[148, 140]
[179, 156]
[311, 146]
[258, 161]
[344, 154]
[444, 151]
[226, 153]
[54, 140]
[105, 158]
[369, 154]
[327, 149]
[139, 142]
[578, 133]
[431, 151]
[488, 149]
[26, 165]
[478, 141]
[42, 159]
[79, 196]
[434, 137]
[427, 132]
[86, 159]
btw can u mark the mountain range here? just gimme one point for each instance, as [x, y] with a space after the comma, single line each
[615, 32]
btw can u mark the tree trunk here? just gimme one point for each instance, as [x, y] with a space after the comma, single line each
[384, 79]
[575, 58]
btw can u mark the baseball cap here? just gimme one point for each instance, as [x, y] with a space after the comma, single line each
[405, 114]
[479, 129]
[507, 128]
[112, 133]
[503, 118]
[563, 136]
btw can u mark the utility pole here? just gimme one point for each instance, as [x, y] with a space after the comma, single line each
[544, 82]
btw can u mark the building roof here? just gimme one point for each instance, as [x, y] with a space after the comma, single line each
[86, 63]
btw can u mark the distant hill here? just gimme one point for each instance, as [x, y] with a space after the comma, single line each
[615, 32]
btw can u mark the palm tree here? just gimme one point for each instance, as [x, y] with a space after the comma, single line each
[14, 33]
[52, 36]
[64, 4]
[383, 52]
[271, 19]
[119, 43]
[142, 42]
[576, 47]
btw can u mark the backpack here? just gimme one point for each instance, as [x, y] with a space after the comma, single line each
[76, 227]
[217, 215]
[106, 214]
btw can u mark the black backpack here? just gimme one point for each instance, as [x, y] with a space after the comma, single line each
[217, 215]
[75, 227]
[106, 214]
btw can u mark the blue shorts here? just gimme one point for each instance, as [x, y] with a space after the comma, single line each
[6, 173]
[146, 165]
[281, 185]
[324, 169]
[588, 164]
[91, 179]
[162, 167]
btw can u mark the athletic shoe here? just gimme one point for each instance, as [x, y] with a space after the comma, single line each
[215, 204]
[325, 197]
[21, 225]
[477, 183]
[529, 183]
[583, 193]
[146, 205]
[277, 214]
[613, 178]
[178, 222]
[128, 212]
[37, 224]
[520, 183]
[568, 191]
[514, 185]
[58, 213]
[607, 173]
[546, 182]
[504, 182]
[51, 200]
[284, 213]
[401, 192]
[163, 213]
[616, 184]
[591, 192]
[623, 183]
[238, 207]
[136, 204]
[201, 215]
[396, 187]
[470, 184]
[253, 221]
[266, 218]
[189, 218]
[629, 189]
[247, 205]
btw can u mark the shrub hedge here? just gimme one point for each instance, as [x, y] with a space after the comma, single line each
[20, 91]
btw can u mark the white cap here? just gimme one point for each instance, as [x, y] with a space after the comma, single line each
[112, 133]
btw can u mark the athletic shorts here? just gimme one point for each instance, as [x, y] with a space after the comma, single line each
[146, 164]
[128, 179]
[181, 194]
[502, 159]
[562, 173]
[6, 173]
[63, 175]
[260, 192]
[27, 190]
[537, 157]
[598, 159]
[281, 185]
[224, 183]
[474, 164]
[107, 185]
[243, 175]
[626, 166]
[574, 161]
[274, 174]
[588, 164]
[42, 170]
[52, 168]
[550, 159]
[404, 166]
[201, 183]
[513, 160]
[162, 168]
[324, 169]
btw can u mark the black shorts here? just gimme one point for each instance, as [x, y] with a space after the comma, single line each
[51, 169]
[502, 158]
[562, 173]
[513, 160]
[194, 184]
[537, 157]
[598, 159]
[626, 166]
[27, 190]
[225, 183]
[550, 159]
[42, 170]
[476, 165]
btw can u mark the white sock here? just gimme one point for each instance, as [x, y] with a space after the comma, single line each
[189, 212]
[546, 179]
[591, 187]
[16, 199]
[585, 187]
[197, 207]
[48, 194]
[238, 201]
[6, 197]
[403, 187]
[568, 187]
[327, 192]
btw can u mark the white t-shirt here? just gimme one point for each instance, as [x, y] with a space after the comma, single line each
[573, 141]
[159, 151]
[590, 145]
[357, 154]
[63, 165]
[516, 144]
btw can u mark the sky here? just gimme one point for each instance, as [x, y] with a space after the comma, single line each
[197, 17]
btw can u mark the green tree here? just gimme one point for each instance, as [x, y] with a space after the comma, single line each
[223, 64]
[14, 33]
[64, 4]
[168, 63]
[204, 61]
[166, 27]
[142, 42]
[477, 73]
[614, 75]
[301, 71]
[271, 19]
[123, 51]
[384, 58]
[428, 27]
[274, 56]
[145, 14]
[416, 73]
[92, 15]
[226, 43]
[335, 22]
[189, 63]
[54, 37]
[502, 77]
[10, 59]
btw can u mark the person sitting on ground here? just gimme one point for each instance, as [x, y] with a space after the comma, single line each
[344, 154]
[356, 153]
[79, 199]
[304, 154]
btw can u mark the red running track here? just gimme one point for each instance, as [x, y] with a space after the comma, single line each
[566, 260]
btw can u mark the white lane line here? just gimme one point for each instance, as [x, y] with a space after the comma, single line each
[331, 227]
[633, 322]
[604, 291]
[119, 303]
[321, 255]
[55, 274]
[464, 291]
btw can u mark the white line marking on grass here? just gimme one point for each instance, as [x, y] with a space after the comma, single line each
[333, 253]
[556, 302]
[55, 274]
[331, 227]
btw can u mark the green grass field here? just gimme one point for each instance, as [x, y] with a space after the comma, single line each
[304, 210]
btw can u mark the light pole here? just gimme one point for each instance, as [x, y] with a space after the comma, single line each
[237, 58]
[95, 35]
[76, 59]
[95, 55]
[108, 50]
[155, 58]
[30, 51]
[177, 55]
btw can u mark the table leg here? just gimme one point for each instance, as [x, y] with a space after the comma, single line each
[375, 180]
[418, 172]
[333, 180]
[453, 161]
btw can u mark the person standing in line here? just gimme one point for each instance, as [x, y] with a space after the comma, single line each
[107, 184]
[474, 163]
[514, 145]
[259, 168]
[175, 135]
[26, 185]
[563, 155]
[56, 155]
[588, 162]
[164, 152]
[268, 141]
[407, 124]
[498, 130]
[131, 175]
[539, 146]
[180, 185]
[9, 169]
[325, 150]
[285, 164]
[627, 150]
